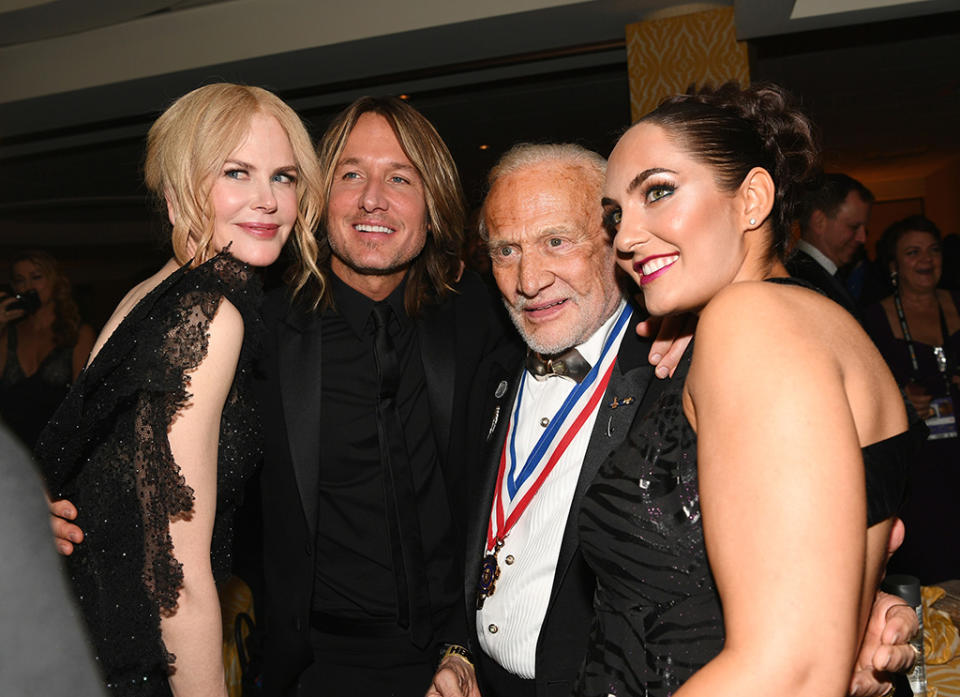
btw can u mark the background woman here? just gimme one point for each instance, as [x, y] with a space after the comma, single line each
[917, 329]
[42, 351]
[743, 486]
[156, 437]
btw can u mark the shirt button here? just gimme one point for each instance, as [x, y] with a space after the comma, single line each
[493, 629]
[544, 422]
[509, 559]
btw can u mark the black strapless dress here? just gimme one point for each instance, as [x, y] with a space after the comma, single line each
[658, 614]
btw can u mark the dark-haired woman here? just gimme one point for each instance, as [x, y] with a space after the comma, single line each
[741, 489]
[917, 329]
[41, 351]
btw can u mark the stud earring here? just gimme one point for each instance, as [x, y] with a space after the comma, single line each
[753, 221]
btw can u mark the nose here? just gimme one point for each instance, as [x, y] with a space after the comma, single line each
[629, 236]
[861, 234]
[372, 197]
[533, 275]
[265, 199]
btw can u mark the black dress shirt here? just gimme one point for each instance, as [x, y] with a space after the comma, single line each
[354, 576]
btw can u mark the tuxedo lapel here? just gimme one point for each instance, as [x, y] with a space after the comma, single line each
[499, 394]
[631, 379]
[299, 369]
[438, 355]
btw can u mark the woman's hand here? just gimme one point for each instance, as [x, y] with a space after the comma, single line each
[8, 314]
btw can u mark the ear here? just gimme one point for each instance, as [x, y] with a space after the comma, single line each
[757, 194]
[818, 221]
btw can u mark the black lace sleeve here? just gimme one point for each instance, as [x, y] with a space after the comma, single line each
[107, 447]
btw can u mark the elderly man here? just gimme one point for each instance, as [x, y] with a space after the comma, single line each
[549, 427]
[833, 227]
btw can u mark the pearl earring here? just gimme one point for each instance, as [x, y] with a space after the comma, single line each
[753, 221]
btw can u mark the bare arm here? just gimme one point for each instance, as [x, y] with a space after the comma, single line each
[193, 632]
[783, 502]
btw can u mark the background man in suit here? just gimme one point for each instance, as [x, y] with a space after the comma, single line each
[364, 419]
[528, 590]
[833, 227]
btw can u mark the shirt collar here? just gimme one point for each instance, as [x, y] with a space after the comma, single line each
[818, 256]
[355, 307]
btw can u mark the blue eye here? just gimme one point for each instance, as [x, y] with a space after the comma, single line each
[284, 178]
[235, 173]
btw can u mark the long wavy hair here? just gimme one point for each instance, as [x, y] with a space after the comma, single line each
[66, 318]
[432, 274]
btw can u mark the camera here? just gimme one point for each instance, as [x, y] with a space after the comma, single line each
[28, 301]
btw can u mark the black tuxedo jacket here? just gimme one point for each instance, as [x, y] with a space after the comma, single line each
[563, 637]
[454, 336]
[803, 266]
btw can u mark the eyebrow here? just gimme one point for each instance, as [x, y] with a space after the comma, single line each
[393, 165]
[644, 175]
[247, 165]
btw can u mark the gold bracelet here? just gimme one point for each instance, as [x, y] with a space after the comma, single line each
[462, 652]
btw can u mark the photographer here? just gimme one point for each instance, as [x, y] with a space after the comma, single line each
[43, 344]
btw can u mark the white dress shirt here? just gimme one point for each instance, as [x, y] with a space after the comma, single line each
[818, 256]
[509, 623]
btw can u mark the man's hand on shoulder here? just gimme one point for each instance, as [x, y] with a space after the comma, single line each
[65, 533]
[673, 335]
[455, 677]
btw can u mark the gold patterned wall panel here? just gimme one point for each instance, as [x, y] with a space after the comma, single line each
[667, 55]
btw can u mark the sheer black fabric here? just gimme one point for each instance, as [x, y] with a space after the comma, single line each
[106, 450]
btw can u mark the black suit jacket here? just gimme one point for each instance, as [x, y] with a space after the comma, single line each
[803, 266]
[563, 637]
[454, 337]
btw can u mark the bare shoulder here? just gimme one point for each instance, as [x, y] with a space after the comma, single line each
[764, 317]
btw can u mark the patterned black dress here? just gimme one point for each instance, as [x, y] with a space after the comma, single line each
[658, 614]
[106, 450]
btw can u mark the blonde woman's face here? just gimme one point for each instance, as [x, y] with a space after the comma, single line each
[254, 196]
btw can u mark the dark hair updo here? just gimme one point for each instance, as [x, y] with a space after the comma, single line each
[734, 129]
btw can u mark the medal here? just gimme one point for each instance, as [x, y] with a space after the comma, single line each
[489, 573]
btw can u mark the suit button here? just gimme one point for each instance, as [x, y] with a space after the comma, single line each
[509, 559]
[309, 549]
[493, 629]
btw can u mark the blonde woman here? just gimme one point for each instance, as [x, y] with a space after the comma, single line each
[154, 441]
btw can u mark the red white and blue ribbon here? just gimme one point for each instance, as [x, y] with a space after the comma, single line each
[580, 404]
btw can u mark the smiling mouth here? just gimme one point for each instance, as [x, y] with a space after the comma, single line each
[545, 306]
[265, 230]
[651, 265]
[363, 227]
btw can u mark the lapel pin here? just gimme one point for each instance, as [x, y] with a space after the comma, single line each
[617, 402]
[493, 422]
[501, 389]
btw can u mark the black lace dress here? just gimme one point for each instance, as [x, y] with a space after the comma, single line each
[658, 614]
[106, 450]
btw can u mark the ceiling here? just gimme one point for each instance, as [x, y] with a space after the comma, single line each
[80, 83]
